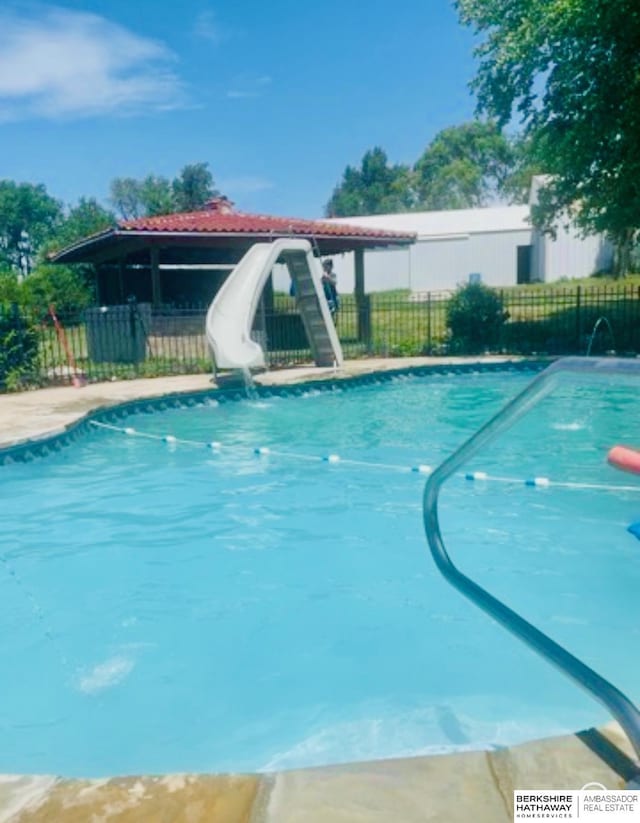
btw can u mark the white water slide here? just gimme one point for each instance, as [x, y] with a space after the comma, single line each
[232, 312]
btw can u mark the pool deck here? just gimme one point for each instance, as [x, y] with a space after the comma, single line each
[467, 787]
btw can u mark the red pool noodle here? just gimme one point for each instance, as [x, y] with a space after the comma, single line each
[625, 458]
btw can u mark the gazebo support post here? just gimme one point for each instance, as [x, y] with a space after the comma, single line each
[156, 285]
[121, 272]
[363, 305]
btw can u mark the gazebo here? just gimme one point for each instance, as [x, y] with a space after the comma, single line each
[184, 258]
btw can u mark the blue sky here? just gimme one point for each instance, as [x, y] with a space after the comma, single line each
[277, 96]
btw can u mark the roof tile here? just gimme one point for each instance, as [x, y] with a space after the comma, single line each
[242, 223]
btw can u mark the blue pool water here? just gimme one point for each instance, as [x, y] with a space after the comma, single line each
[168, 607]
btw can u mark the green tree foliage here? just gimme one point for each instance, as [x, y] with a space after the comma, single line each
[463, 167]
[28, 217]
[18, 347]
[66, 287]
[571, 70]
[141, 198]
[374, 188]
[86, 218]
[10, 291]
[193, 187]
[63, 286]
[475, 316]
[516, 187]
[125, 197]
[155, 194]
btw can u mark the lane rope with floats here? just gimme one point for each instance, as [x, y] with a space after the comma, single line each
[266, 452]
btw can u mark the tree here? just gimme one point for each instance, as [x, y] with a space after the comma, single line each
[18, 348]
[63, 286]
[28, 217]
[571, 70]
[464, 167]
[141, 198]
[124, 194]
[154, 194]
[86, 218]
[193, 187]
[374, 188]
[516, 187]
[10, 289]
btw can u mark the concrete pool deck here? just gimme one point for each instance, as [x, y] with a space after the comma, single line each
[469, 787]
[464, 787]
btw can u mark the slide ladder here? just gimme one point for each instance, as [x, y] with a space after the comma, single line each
[313, 307]
[232, 312]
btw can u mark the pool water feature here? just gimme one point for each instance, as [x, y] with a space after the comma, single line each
[172, 607]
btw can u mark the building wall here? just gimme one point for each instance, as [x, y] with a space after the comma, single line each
[436, 263]
[431, 264]
[440, 263]
[570, 255]
[446, 263]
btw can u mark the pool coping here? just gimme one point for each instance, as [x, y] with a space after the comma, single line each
[425, 788]
[467, 786]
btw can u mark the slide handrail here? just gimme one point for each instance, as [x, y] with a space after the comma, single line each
[617, 703]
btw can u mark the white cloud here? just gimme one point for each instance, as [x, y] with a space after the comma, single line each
[238, 94]
[206, 26]
[246, 85]
[67, 64]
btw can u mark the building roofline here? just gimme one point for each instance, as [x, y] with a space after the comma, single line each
[366, 239]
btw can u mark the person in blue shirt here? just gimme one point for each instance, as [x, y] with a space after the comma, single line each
[330, 286]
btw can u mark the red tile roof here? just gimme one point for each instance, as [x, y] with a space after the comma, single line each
[218, 224]
[226, 221]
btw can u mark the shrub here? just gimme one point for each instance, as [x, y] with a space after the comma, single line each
[10, 289]
[18, 347]
[475, 316]
[61, 285]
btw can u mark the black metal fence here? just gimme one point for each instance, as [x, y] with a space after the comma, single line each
[135, 340]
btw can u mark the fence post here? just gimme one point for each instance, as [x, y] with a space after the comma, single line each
[429, 348]
[133, 331]
[364, 321]
[578, 318]
[636, 325]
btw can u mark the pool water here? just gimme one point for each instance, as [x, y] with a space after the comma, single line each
[170, 607]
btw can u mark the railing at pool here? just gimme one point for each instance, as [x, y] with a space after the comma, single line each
[617, 703]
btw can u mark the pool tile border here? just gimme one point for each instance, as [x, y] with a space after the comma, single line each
[53, 442]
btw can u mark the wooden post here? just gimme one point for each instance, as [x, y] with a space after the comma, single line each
[121, 270]
[100, 286]
[156, 286]
[362, 304]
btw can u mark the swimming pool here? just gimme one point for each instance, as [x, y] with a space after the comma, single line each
[172, 607]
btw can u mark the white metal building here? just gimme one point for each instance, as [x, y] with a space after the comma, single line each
[494, 245]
